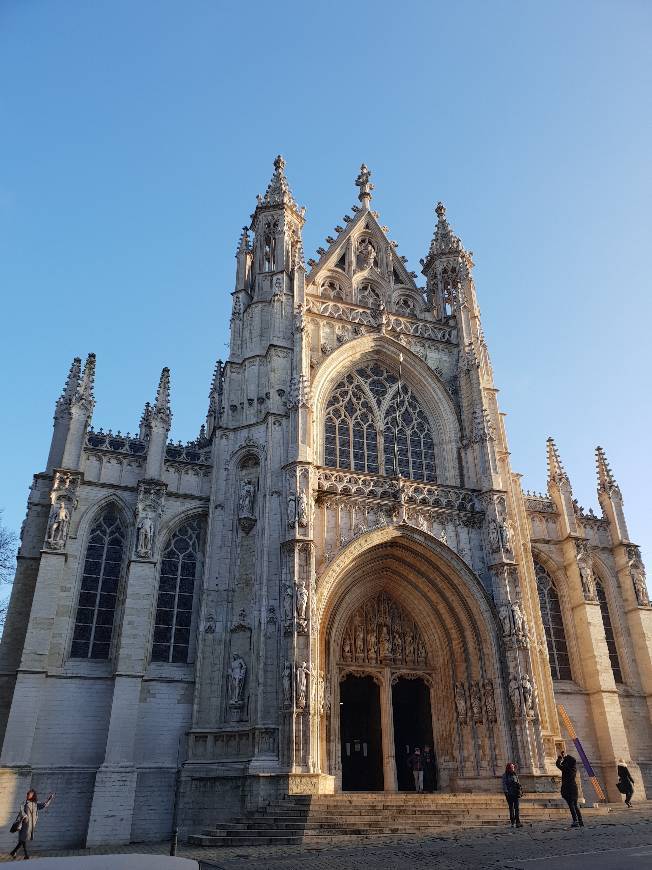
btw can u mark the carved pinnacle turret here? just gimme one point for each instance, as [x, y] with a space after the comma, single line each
[83, 396]
[556, 470]
[606, 481]
[362, 181]
[70, 388]
[278, 190]
[161, 410]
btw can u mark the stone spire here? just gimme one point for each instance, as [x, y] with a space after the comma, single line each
[144, 421]
[556, 470]
[444, 242]
[83, 395]
[215, 398]
[606, 481]
[70, 388]
[278, 190]
[362, 181]
[161, 409]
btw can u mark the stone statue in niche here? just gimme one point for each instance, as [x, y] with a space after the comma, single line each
[288, 603]
[302, 602]
[287, 683]
[398, 643]
[520, 628]
[209, 624]
[490, 700]
[409, 646]
[359, 640]
[476, 702]
[528, 695]
[58, 525]
[640, 588]
[299, 319]
[506, 535]
[302, 509]
[494, 536]
[588, 583]
[514, 690]
[385, 642]
[505, 616]
[246, 501]
[292, 510]
[347, 653]
[460, 703]
[144, 536]
[302, 674]
[372, 646]
[238, 674]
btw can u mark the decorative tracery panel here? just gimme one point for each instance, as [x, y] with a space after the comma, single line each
[375, 424]
[380, 632]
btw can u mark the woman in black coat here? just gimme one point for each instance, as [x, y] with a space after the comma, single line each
[569, 791]
[625, 781]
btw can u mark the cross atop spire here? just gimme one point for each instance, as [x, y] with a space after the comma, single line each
[278, 190]
[556, 470]
[362, 181]
[606, 480]
[83, 395]
[69, 389]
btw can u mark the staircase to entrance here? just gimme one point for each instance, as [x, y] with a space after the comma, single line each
[299, 819]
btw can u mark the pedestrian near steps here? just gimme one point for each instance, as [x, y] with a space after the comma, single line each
[512, 790]
[416, 766]
[26, 821]
[625, 784]
[568, 766]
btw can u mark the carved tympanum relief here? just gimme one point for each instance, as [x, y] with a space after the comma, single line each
[381, 631]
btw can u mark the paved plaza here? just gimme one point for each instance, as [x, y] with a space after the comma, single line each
[619, 840]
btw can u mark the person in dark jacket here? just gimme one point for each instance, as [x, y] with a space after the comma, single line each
[429, 771]
[568, 766]
[625, 781]
[28, 817]
[415, 762]
[512, 791]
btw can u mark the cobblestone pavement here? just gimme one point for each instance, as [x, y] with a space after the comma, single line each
[615, 841]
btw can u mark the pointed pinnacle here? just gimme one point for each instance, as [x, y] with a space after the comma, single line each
[278, 190]
[216, 382]
[243, 244]
[606, 480]
[70, 386]
[161, 409]
[556, 470]
[444, 240]
[83, 396]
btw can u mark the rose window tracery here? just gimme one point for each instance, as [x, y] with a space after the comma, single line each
[381, 632]
[375, 425]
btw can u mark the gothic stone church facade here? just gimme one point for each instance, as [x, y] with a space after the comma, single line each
[342, 566]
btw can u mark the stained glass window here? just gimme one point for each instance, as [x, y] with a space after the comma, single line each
[553, 625]
[609, 632]
[99, 588]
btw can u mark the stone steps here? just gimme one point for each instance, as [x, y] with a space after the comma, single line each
[302, 819]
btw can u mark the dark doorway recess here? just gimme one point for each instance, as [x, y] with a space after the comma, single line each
[362, 751]
[412, 728]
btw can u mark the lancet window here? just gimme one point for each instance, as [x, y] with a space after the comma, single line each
[381, 631]
[553, 625]
[176, 594]
[103, 567]
[269, 246]
[609, 632]
[375, 424]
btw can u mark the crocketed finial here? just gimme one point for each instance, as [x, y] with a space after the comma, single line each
[606, 480]
[83, 396]
[278, 191]
[556, 470]
[161, 410]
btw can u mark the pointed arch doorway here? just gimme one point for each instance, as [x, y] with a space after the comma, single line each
[412, 720]
[361, 734]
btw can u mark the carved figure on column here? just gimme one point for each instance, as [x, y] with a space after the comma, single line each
[520, 628]
[302, 603]
[494, 536]
[637, 573]
[58, 525]
[292, 510]
[246, 502]
[385, 642]
[460, 703]
[528, 695]
[302, 509]
[238, 674]
[302, 674]
[588, 583]
[63, 501]
[490, 700]
[514, 690]
[299, 319]
[287, 683]
[475, 696]
[288, 604]
[358, 635]
[149, 507]
[506, 535]
[372, 644]
[347, 653]
[505, 616]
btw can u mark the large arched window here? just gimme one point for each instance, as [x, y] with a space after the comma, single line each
[609, 632]
[174, 607]
[553, 625]
[99, 587]
[373, 422]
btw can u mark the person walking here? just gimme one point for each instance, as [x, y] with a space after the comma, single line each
[625, 782]
[513, 790]
[26, 821]
[416, 766]
[568, 766]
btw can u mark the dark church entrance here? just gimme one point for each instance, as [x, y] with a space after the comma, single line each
[362, 750]
[412, 728]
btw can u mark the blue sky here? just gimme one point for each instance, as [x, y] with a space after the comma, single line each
[136, 136]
